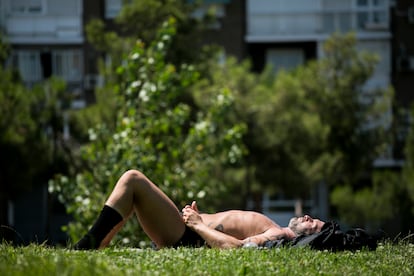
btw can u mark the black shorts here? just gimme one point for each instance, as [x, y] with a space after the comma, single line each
[190, 239]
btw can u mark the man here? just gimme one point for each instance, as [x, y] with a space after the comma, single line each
[167, 227]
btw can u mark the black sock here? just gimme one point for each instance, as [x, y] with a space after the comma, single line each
[106, 221]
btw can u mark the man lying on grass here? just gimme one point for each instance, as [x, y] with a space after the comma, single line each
[167, 227]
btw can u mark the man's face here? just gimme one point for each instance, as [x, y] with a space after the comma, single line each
[307, 224]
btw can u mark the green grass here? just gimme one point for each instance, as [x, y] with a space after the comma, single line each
[40, 260]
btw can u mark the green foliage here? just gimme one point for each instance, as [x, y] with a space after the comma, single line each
[408, 168]
[142, 18]
[29, 121]
[4, 49]
[285, 135]
[357, 117]
[30, 133]
[289, 137]
[137, 19]
[388, 259]
[159, 131]
[316, 123]
[370, 205]
[359, 129]
[103, 111]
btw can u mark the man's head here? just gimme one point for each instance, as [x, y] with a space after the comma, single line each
[305, 225]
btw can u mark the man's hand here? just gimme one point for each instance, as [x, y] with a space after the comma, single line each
[191, 216]
[194, 206]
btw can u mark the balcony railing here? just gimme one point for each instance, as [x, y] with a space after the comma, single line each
[47, 28]
[316, 22]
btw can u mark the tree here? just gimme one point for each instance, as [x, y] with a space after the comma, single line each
[359, 118]
[360, 128]
[388, 197]
[284, 135]
[142, 18]
[315, 123]
[30, 120]
[112, 40]
[177, 144]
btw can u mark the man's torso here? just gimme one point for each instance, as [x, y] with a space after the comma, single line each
[239, 224]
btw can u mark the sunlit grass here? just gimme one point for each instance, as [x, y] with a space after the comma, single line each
[388, 259]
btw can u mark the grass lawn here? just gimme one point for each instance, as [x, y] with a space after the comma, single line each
[388, 259]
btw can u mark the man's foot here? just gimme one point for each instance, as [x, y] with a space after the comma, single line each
[106, 221]
[86, 243]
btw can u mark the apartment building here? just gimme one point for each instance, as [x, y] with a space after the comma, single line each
[46, 38]
[287, 33]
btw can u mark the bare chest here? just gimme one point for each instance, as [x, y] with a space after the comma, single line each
[239, 224]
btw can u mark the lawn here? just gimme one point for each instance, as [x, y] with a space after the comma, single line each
[388, 259]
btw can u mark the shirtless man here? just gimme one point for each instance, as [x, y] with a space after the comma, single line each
[167, 227]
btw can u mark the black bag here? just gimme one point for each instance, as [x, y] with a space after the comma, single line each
[330, 238]
[333, 238]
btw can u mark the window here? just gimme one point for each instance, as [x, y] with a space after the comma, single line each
[35, 66]
[218, 10]
[284, 58]
[336, 21]
[28, 65]
[26, 6]
[112, 8]
[362, 3]
[71, 8]
[372, 14]
[68, 65]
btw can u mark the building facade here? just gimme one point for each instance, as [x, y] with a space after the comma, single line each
[48, 36]
[287, 33]
[47, 39]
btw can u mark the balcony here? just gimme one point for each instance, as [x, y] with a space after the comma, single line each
[313, 20]
[44, 29]
[42, 21]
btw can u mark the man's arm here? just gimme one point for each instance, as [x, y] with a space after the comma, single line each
[214, 238]
[218, 239]
[271, 234]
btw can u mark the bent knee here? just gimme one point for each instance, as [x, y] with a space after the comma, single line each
[133, 176]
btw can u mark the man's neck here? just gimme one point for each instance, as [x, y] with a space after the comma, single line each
[289, 234]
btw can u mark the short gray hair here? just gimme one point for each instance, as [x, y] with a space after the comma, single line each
[293, 225]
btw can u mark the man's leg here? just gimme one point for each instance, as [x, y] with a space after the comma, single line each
[157, 214]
